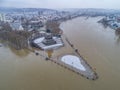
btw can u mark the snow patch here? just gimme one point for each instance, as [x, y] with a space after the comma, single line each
[52, 46]
[38, 40]
[73, 61]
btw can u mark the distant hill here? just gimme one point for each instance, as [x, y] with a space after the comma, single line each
[5, 10]
[84, 11]
[91, 10]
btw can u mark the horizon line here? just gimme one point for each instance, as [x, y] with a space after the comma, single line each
[58, 8]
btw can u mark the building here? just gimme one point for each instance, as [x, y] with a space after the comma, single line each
[48, 38]
[35, 24]
[16, 26]
[116, 25]
[47, 42]
[32, 25]
[2, 17]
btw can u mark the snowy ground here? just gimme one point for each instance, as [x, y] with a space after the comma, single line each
[73, 61]
[38, 41]
[52, 46]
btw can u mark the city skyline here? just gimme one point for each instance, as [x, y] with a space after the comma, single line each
[107, 4]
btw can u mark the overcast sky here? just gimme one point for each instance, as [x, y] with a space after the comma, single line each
[109, 4]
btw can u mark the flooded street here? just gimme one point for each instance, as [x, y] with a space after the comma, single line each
[23, 70]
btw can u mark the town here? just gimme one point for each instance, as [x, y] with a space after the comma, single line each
[113, 21]
[30, 23]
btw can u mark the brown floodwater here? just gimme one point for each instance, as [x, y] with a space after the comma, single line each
[23, 70]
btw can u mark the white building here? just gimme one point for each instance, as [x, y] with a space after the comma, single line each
[115, 25]
[2, 17]
[16, 26]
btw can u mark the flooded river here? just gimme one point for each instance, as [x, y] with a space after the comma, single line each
[23, 70]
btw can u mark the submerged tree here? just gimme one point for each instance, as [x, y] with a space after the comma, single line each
[17, 39]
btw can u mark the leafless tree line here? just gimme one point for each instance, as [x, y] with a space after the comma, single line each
[17, 39]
